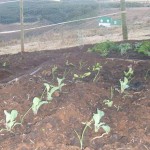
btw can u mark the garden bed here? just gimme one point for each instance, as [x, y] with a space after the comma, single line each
[54, 126]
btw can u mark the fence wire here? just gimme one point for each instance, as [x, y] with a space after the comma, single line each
[42, 36]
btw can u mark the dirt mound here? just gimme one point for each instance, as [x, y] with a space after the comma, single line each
[53, 128]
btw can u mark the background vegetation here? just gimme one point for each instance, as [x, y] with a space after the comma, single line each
[55, 12]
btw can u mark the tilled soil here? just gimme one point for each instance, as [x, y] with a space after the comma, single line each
[54, 126]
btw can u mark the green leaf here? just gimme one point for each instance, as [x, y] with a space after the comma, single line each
[8, 116]
[14, 114]
[59, 81]
[49, 96]
[97, 118]
[75, 76]
[60, 84]
[124, 84]
[47, 86]
[108, 103]
[106, 128]
[86, 74]
[10, 119]
[37, 103]
[10, 125]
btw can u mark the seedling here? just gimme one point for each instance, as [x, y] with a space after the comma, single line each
[4, 64]
[108, 102]
[52, 89]
[129, 73]
[69, 64]
[96, 121]
[37, 103]
[54, 69]
[124, 84]
[97, 67]
[81, 64]
[147, 74]
[10, 120]
[81, 76]
[117, 107]
[60, 83]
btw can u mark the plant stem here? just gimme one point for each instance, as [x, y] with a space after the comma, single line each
[111, 93]
[25, 115]
[96, 76]
[43, 93]
[83, 132]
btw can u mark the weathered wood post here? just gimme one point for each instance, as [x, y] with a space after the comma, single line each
[22, 26]
[123, 18]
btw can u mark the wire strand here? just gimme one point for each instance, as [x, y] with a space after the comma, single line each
[62, 23]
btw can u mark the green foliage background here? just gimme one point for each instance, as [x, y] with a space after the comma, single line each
[55, 12]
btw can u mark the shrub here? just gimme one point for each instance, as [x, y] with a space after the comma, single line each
[144, 48]
[103, 48]
[124, 47]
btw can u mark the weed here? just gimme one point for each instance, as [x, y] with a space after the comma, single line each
[96, 120]
[10, 120]
[144, 48]
[103, 48]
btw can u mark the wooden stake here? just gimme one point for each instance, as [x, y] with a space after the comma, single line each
[123, 18]
[22, 26]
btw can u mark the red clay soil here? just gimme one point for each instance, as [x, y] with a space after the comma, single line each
[53, 127]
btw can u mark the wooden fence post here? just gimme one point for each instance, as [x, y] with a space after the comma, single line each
[22, 26]
[123, 18]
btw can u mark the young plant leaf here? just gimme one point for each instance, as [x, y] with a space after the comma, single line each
[86, 74]
[10, 119]
[37, 103]
[106, 128]
[47, 86]
[124, 84]
[60, 84]
[107, 102]
[50, 93]
[97, 118]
